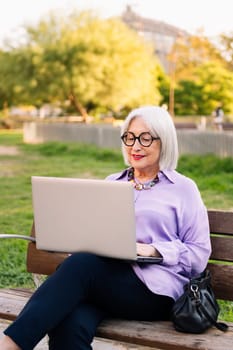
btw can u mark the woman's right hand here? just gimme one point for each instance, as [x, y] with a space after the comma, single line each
[146, 250]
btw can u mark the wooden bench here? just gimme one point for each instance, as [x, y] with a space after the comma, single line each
[146, 335]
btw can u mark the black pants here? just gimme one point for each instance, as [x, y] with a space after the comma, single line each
[71, 303]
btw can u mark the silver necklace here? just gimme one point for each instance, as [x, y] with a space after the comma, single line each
[141, 186]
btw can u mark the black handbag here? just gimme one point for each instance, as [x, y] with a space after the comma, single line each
[197, 309]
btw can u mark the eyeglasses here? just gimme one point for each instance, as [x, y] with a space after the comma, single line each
[145, 139]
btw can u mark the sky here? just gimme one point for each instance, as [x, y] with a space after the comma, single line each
[212, 16]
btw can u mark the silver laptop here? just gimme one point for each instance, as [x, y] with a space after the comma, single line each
[88, 215]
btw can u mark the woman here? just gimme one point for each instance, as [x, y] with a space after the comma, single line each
[171, 222]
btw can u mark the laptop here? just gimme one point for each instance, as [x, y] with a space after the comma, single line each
[91, 215]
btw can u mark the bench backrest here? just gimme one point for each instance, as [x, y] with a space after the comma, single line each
[220, 264]
[221, 260]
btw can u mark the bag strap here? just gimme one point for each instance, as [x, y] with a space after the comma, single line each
[204, 279]
[220, 325]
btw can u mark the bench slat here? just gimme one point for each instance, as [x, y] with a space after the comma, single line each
[221, 221]
[12, 302]
[162, 335]
[142, 333]
[222, 248]
[221, 277]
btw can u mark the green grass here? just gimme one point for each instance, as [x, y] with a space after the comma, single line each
[214, 177]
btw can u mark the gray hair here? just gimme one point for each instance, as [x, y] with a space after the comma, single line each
[160, 124]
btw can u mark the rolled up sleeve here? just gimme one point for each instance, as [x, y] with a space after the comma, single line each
[192, 247]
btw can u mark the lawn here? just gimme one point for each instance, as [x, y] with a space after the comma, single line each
[213, 175]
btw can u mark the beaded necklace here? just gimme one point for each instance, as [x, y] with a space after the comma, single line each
[138, 185]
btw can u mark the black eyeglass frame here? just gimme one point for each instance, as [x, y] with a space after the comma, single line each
[138, 138]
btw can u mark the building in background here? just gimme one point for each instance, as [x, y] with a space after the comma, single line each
[162, 35]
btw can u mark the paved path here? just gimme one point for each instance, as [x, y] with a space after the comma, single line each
[8, 151]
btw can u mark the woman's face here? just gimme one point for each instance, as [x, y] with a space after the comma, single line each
[143, 159]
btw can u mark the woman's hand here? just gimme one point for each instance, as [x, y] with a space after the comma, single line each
[146, 250]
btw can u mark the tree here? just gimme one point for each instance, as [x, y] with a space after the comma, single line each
[226, 41]
[212, 85]
[199, 76]
[217, 87]
[190, 52]
[84, 60]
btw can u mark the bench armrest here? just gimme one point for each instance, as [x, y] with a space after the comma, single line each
[28, 238]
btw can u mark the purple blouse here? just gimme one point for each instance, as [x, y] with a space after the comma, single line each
[172, 217]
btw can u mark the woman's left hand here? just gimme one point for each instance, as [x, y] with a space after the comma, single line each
[146, 250]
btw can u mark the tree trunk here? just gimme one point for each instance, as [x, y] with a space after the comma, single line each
[78, 106]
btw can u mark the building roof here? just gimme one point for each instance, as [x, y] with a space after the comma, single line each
[139, 23]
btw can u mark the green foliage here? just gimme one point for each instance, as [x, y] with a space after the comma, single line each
[11, 138]
[201, 77]
[13, 261]
[83, 60]
[227, 49]
[188, 97]
[217, 87]
[214, 177]
[209, 164]
[67, 150]
[213, 84]
[226, 311]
